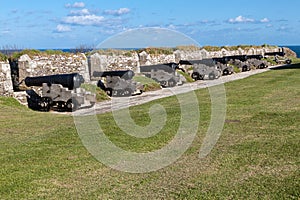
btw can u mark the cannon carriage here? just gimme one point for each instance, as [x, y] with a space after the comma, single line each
[118, 83]
[165, 74]
[203, 68]
[224, 66]
[279, 57]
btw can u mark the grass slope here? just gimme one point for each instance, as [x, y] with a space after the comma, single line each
[256, 157]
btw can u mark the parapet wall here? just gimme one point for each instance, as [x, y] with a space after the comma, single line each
[99, 62]
[6, 86]
[52, 64]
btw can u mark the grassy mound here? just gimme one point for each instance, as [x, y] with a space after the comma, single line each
[100, 94]
[149, 84]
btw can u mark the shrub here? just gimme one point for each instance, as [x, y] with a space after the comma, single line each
[236, 69]
[3, 57]
[100, 94]
[149, 84]
[211, 48]
[157, 51]
[188, 78]
[188, 48]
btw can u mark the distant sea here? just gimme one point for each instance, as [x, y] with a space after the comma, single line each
[295, 48]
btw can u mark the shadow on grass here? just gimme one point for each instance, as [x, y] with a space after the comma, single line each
[292, 66]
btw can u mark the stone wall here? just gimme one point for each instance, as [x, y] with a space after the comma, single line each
[52, 64]
[99, 62]
[70, 63]
[6, 86]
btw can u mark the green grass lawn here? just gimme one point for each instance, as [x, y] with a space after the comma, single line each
[256, 157]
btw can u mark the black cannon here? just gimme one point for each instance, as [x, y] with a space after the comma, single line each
[242, 58]
[167, 67]
[70, 81]
[279, 56]
[61, 92]
[238, 60]
[124, 74]
[281, 53]
[256, 61]
[258, 57]
[118, 83]
[165, 74]
[203, 68]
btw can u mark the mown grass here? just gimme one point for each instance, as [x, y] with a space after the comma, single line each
[256, 157]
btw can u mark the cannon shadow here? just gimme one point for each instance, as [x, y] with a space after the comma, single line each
[283, 67]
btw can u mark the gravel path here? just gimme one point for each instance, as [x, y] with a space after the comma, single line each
[125, 102]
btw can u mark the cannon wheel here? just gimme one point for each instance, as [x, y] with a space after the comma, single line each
[262, 66]
[47, 101]
[244, 68]
[196, 76]
[211, 76]
[72, 105]
[163, 83]
[171, 83]
[126, 92]
[109, 92]
[225, 72]
[288, 61]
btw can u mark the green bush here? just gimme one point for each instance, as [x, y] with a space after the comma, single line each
[295, 60]
[3, 57]
[33, 52]
[149, 84]
[54, 52]
[157, 51]
[188, 78]
[211, 48]
[270, 60]
[236, 69]
[188, 48]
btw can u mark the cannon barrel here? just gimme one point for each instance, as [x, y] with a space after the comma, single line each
[259, 57]
[281, 53]
[208, 62]
[167, 67]
[236, 57]
[125, 74]
[69, 81]
[222, 60]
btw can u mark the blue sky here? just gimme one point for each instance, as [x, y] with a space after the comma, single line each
[69, 24]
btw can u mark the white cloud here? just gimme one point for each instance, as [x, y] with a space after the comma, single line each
[264, 20]
[241, 19]
[269, 25]
[61, 28]
[171, 26]
[84, 20]
[80, 12]
[121, 11]
[6, 31]
[282, 28]
[75, 5]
